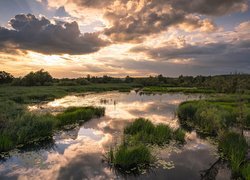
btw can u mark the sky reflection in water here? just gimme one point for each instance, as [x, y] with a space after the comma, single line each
[77, 153]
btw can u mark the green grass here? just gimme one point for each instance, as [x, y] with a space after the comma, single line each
[19, 127]
[134, 153]
[209, 116]
[143, 130]
[21, 94]
[234, 148]
[216, 116]
[130, 157]
[75, 114]
[246, 171]
[28, 128]
[163, 89]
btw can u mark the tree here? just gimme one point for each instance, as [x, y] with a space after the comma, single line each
[128, 79]
[39, 78]
[5, 77]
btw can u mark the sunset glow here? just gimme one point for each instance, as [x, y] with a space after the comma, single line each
[73, 38]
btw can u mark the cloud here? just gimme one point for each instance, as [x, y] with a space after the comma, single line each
[41, 35]
[211, 7]
[92, 3]
[134, 20]
[228, 54]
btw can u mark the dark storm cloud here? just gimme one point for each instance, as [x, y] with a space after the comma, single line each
[210, 7]
[133, 20]
[208, 51]
[214, 58]
[93, 3]
[40, 35]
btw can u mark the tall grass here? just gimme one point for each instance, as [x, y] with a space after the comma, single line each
[143, 130]
[205, 116]
[133, 152]
[76, 114]
[246, 171]
[28, 128]
[234, 148]
[129, 157]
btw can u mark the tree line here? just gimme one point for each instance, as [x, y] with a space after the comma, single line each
[220, 83]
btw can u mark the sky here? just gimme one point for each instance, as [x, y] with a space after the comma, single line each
[73, 38]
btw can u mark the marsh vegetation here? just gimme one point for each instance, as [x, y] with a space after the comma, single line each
[225, 119]
[134, 154]
[26, 127]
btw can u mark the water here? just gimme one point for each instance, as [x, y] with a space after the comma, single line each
[78, 153]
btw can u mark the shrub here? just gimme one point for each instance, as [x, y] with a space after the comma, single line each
[5, 77]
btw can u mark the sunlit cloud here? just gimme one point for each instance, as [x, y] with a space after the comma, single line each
[73, 38]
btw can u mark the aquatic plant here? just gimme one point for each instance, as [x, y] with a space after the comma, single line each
[234, 148]
[179, 135]
[77, 114]
[27, 128]
[130, 157]
[206, 117]
[143, 130]
[245, 171]
[133, 152]
[5, 143]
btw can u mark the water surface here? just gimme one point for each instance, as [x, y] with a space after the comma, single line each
[78, 153]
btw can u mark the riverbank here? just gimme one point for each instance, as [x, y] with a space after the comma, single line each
[224, 118]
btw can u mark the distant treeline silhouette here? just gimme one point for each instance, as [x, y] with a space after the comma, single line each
[220, 83]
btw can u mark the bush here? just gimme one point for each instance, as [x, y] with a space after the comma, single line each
[5, 77]
[39, 78]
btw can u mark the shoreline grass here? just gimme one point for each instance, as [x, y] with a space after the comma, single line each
[163, 89]
[216, 117]
[30, 128]
[234, 148]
